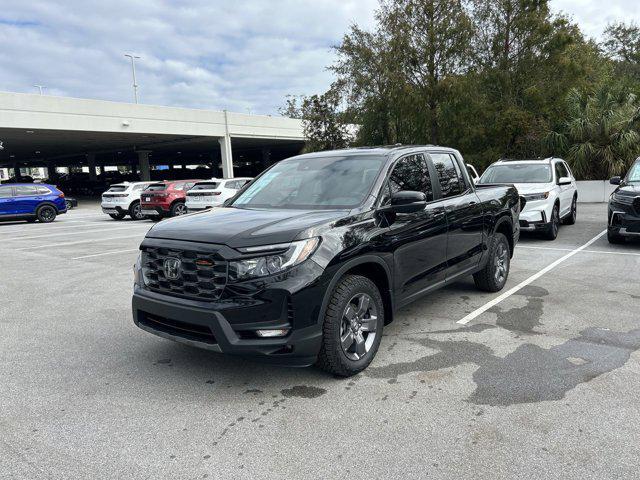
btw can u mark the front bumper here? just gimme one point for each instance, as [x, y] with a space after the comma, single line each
[624, 220]
[535, 216]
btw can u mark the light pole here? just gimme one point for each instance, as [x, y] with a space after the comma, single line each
[133, 70]
[41, 88]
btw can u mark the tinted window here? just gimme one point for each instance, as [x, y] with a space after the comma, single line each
[517, 173]
[117, 188]
[206, 186]
[156, 187]
[561, 171]
[188, 186]
[25, 191]
[410, 173]
[141, 186]
[448, 174]
[318, 182]
[5, 192]
[634, 173]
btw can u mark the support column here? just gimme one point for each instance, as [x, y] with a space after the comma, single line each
[143, 163]
[91, 161]
[227, 156]
[16, 171]
[52, 172]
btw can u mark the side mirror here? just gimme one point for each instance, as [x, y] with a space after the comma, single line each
[615, 181]
[564, 181]
[408, 201]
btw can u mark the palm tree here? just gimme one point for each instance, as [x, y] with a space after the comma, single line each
[601, 136]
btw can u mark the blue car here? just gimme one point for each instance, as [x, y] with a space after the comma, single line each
[31, 202]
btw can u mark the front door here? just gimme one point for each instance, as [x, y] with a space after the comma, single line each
[417, 239]
[566, 191]
[465, 217]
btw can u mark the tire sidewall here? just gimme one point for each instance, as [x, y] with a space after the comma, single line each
[500, 239]
[45, 208]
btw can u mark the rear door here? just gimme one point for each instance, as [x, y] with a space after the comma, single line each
[26, 199]
[7, 202]
[465, 219]
[418, 239]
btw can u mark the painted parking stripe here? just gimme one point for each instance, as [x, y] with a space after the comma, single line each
[606, 252]
[52, 226]
[79, 242]
[105, 253]
[96, 230]
[528, 281]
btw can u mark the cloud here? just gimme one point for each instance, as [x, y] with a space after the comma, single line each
[213, 54]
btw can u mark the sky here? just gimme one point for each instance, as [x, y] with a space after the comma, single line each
[240, 55]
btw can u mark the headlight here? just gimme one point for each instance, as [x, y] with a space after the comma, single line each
[624, 199]
[136, 269]
[284, 256]
[536, 196]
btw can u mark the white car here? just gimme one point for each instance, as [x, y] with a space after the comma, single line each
[123, 199]
[548, 186]
[213, 193]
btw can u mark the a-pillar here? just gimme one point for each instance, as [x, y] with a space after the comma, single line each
[91, 161]
[227, 156]
[143, 163]
[266, 158]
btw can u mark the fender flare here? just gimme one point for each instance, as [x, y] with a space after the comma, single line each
[348, 265]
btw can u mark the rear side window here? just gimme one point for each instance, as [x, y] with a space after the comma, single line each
[43, 191]
[5, 192]
[117, 188]
[448, 174]
[141, 186]
[410, 173]
[25, 191]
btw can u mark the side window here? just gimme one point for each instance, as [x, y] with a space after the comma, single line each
[140, 187]
[560, 171]
[178, 186]
[567, 169]
[233, 185]
[5, 192]
[43, 191]
[25, 191]
[410, 173]
[187, 186]
[448, 174]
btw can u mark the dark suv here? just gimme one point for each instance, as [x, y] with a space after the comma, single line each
[624, 206]
[308, 262]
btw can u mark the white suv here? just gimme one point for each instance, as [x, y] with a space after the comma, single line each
[123, 199]
[213, 193]
[548, 186]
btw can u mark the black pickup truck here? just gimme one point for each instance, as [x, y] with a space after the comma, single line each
[309, 262]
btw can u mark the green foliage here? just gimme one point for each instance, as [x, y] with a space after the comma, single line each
[493, 78]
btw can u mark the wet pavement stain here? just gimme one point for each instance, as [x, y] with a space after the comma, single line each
[303, 391]
[523, 319]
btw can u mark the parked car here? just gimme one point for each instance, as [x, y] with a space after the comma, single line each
[70, 202]
[213, 193]
[22, 179]
[123, 199]
[473, 173]
[165, 199]
[624, 206]
[309, 262]
[547, 185]
[31, 202]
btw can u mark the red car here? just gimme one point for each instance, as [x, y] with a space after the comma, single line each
[165, 199]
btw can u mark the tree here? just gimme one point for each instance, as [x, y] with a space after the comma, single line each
[600, 137]
[622, 44]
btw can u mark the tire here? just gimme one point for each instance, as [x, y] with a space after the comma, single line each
[494, 275]
[354, 322]
[68, 204]
[554, 224]
[117, 216]
[177, 209]
[571, 218]
[46, 214]
[614, 238]
[135, 211]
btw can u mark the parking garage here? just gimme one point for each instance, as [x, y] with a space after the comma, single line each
[93, 143]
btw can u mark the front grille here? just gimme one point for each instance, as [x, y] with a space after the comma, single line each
[191, 331]
[200, 276]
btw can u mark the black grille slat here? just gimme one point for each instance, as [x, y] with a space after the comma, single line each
[192, 331]
[203, 276]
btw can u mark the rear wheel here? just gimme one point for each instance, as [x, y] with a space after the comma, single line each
[178, 209]
[68, 204]
[117, 216]
[352, 327]
[493, 276]
[554, 224]
[571, 218]
[46, 214]
[135, 211]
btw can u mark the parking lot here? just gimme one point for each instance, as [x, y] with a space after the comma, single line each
[541, 384]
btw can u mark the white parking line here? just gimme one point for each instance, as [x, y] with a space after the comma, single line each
[105, 253]
[15, 239]
[607, 252]
[51, 245]
[526, 282]
[26, 227]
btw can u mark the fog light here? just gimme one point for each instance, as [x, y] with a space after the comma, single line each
[280, 332]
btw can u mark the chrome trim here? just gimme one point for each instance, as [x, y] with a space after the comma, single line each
[613, 214]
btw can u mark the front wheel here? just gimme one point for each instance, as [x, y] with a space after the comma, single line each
[554, 224]
[352, 327]
[571, 219]
[493, 276]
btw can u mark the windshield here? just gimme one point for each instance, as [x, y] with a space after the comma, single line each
[517, 173]
[156, 187]
[634, 173]
[205, 186]
[314, 183]
[117, 188]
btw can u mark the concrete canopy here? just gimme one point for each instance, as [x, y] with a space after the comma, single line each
[41, 130]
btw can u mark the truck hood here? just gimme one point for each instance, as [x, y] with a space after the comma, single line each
[629, 189]
[237, 227]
